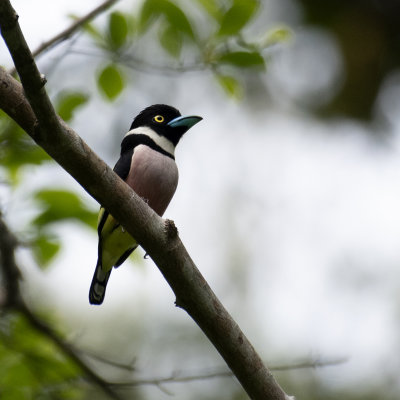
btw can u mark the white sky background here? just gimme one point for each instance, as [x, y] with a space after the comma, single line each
[312, 209]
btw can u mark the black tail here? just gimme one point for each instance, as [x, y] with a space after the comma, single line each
[97, 289]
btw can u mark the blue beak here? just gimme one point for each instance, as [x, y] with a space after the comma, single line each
[184, 122]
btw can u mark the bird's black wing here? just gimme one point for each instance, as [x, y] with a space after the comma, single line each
[123, 165]
[121, 168]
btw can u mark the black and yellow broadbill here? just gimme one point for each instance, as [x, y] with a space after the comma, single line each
[147, 165]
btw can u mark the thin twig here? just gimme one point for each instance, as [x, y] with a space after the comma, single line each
[174, 378]
[68, 32]
[53, 64]
[128, 367]
[224, 373]
[145, 66]
[310, 364]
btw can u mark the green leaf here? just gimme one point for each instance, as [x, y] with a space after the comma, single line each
[237, 17]
[211, 8]
[93, 32]
[171, 40]
[45, 248]
[242, 59]
[277, 35]
[177, 18]
[152, 9]
[148, 14]
[230, 85]
[17, 149]
[117, 29]
[69, 102]
[59, 205]
[89, 28]
[110, 81]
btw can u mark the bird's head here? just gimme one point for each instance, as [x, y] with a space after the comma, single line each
[165, 121]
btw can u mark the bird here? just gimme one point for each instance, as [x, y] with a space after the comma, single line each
[147, 165]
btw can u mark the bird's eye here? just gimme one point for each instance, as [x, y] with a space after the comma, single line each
[158, 118]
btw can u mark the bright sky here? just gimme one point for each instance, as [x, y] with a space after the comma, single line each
[34, 30]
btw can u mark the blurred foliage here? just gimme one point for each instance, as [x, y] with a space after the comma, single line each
[45, 247]
[117, 30]
[243, 59]
[68, 102]
[61, 205]
[368, 33]
[55, 206]
[31, 367]
[17, 150]
[18, 153]
[220, 43]
[154, 9]
[110, 81]
[230, 85]
[236, 17]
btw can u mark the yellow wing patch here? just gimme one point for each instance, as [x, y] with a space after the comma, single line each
[115, 241]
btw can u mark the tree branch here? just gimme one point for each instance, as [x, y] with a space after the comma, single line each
[67, 33]
[159, 238]
[10, 294]
[67, 349]
[12, 300]
[128, 367]
[14, 102]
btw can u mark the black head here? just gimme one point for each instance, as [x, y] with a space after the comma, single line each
[165, 120]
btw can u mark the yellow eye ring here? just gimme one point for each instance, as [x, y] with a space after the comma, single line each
[158, 118]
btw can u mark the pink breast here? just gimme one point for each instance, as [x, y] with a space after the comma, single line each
[154, 177]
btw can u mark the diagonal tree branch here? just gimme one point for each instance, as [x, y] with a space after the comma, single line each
[12, 300]
[74, 27]
[67, 349]
[159, 238]
[10, 294]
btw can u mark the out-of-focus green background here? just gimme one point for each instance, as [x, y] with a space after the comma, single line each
[288, 198]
